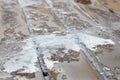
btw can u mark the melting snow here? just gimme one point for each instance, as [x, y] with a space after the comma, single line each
[68, 42]
[91, 41]
[57, 41]
[25, 60]
[27, 57]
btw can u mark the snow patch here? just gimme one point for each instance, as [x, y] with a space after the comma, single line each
[46, 42]
[24, 61]
[57, 41]
[49, 63]
[47, 55]
[91, 41]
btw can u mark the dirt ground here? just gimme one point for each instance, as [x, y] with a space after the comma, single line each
[70, 37]
[106, 13]
[83, 1]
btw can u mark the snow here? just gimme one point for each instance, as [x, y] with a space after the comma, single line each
[70, 43]
[91, 41]
[49, 63]
[57, 41]
[46, 42]
[26, 60]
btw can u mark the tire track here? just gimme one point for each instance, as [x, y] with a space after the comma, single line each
[40, 59]
[74, 34]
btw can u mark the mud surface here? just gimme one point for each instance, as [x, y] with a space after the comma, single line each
[65, 70]
[70, 56]
[110, 61]
[41, 19]
[63, 63]
[57, 31]
[84, 1]
[12, 21]
[14, 44]
[107, 16]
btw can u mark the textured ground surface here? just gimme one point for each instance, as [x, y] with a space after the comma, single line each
[73, 40]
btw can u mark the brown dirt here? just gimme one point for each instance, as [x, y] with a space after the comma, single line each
[43, 21]
[84, 1]
[109, 61]
[75, 22]
[9, 33]
[27, 75]
[105, 14]
[101, 48]
[8, 17]
[61, 5]
[70, 56]
[53, 75]
[112, 4]
[117, 33]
